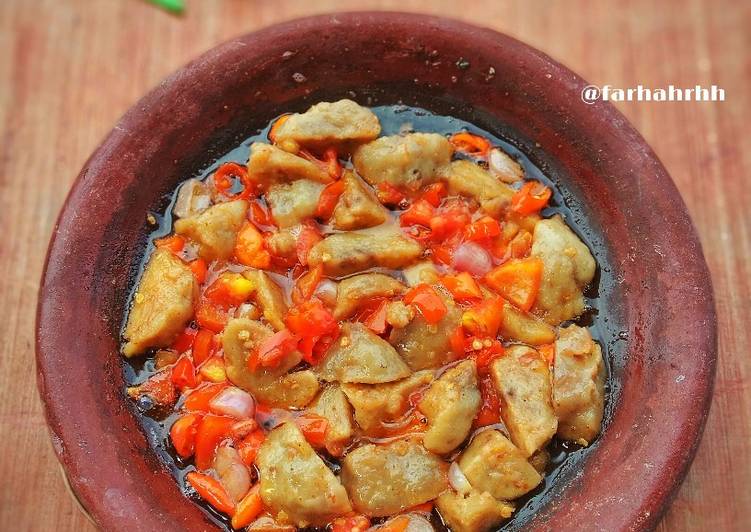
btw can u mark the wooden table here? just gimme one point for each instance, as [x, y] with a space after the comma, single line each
[70, 68]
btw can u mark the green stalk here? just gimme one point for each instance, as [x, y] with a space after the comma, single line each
[173, 6]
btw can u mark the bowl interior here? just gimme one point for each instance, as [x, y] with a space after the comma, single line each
[654, 290]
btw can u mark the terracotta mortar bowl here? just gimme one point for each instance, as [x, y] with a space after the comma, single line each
[654, 288]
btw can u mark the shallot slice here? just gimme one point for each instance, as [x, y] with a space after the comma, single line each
[473, 258]
[457, 479]
[193, 198]
[233, 402]
[504, 167]
[233, 474]
[326, 292]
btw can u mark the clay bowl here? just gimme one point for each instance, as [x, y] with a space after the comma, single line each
[654, 288]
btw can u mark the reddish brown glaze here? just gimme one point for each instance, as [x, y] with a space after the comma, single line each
[654, 281]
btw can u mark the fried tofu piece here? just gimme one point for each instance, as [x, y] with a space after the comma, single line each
[274, 386]
[357, 207]
[343, 123]
[361, 356]
[492, 463]
[376, 404]
[568, 267]
[291, 203]
[162, 304]
[450, 404]
[270, 297]
[333, 405]
[522, 379]
[578, 385]
[427, 345]
[469, 179]
[476, 511]
[356, 290]
[215, 229]
[408, 161]
[387, 479]
[346, 253]
[295, 481]
[524, 327]
[268, 165]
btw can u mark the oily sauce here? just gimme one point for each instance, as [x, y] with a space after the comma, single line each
[403, 119]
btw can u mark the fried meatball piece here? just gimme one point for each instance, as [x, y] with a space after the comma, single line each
[162, 305]
[215, 229]
[476, 511]
[357, 207]
[376, 404]
[333, 405]
[346, 253]
[578, 385]
[274, 386]
[469, 179]
[386, 479]
[270, 298]
[450, 404]
[296, 482]
[361, 356]
[524, 327]
[568, 267]
[342, 123]
[268, 165]
[522, 379]
[492, 463]
[428, 345]
[356, 290]
[291, 203]
[404, 161]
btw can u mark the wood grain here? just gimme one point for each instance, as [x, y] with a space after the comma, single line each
[70, 68]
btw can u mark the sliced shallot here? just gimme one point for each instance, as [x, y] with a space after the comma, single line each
[326, 292]
[457, 479]
[233, 402]
[233, 474]
[473, 258]
[504, 167]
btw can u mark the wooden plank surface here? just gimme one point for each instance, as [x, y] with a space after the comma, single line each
[70, 68]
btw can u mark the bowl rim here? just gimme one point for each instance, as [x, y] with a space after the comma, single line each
[695, 413]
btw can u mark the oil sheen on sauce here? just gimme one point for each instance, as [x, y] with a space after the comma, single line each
[394, 119]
